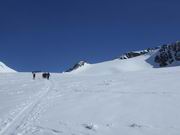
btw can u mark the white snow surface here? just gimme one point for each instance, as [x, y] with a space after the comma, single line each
[5, 69]
[115, 66]
[120, 97]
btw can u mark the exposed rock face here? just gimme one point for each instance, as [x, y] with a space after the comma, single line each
[168, 54]
[77, 65]
[136, 53]
[161, 56]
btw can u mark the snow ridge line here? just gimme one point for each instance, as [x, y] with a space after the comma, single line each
[20, 117]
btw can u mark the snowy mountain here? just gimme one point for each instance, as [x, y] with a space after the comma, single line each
[131, 96]
[77, 66]
[166, 55]
[104, 99]
[5, 69]
[133, 54]
[132, 61]
[162, 56]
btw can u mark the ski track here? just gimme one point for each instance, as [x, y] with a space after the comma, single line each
[24, 114]
[26, 121]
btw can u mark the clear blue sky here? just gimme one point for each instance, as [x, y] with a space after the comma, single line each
[54, 34]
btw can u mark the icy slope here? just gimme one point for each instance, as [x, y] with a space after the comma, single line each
[5, 69]
[117, 65]
[143, 101]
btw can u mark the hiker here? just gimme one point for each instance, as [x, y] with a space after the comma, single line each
[44, 75]
[34, 75]
[48, 75]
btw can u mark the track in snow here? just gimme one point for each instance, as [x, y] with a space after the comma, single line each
[22, 116]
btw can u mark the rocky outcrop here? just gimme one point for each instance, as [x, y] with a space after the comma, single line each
[136, 53]
[168, 54]
[77, 65]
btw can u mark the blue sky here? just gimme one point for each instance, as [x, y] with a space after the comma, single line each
[52, 35]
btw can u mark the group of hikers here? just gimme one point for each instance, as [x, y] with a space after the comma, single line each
[45, 75]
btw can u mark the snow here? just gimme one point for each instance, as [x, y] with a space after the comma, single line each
[5, 69]
[117, 65]
[119, 97]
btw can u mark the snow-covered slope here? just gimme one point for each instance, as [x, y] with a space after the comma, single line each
[5, 69]
[118, 65]
[119, 97]
[162, 56]
[127, 102]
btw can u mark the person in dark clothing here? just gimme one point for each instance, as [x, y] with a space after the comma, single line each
[44, 75]
[48, 75]
[34, 75]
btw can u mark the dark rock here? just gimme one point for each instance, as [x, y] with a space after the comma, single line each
[168, 54]
[135, 54]
[76, 66]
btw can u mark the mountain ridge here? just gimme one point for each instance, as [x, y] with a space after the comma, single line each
[157, 57]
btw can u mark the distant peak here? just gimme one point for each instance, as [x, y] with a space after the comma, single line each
[5, 69]
[81, 63]
[77, 65]
[133, 54]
